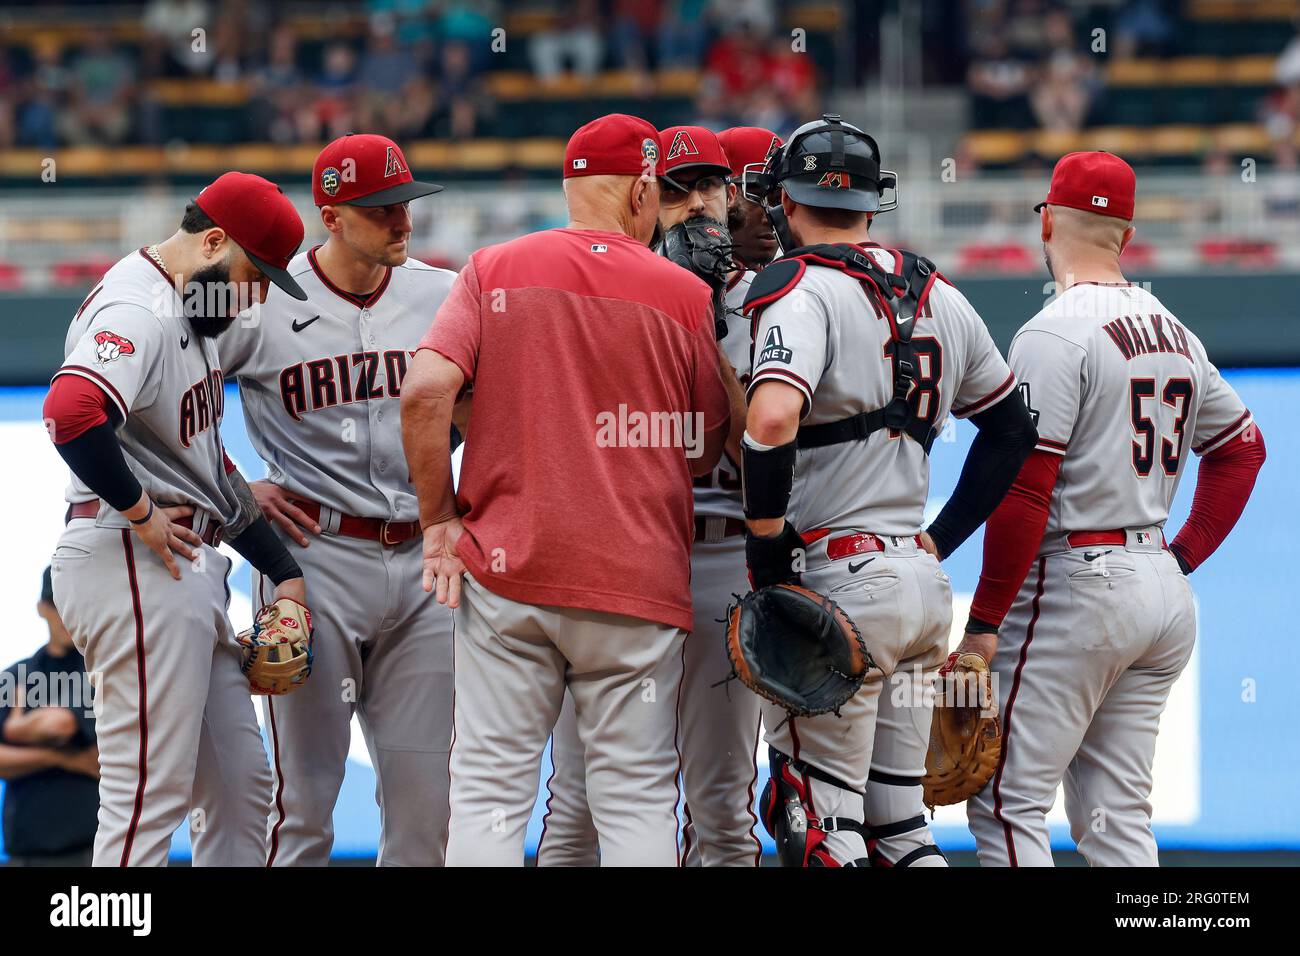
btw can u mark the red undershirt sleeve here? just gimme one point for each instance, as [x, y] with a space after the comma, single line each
[1013, 535]
[73, 406]
[1223, 485]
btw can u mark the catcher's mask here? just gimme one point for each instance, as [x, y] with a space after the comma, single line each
[826, 163]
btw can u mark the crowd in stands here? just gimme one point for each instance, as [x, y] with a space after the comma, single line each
[417, 69]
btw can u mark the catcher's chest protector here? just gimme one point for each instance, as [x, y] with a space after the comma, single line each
[901, 297]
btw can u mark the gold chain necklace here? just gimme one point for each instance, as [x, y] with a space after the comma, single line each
[156, 256]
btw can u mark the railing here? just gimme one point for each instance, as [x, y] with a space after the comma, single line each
[40, 229]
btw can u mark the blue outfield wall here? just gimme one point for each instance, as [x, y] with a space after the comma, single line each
[1225, 772]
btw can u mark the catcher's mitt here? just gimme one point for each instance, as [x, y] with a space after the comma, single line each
[797, 648]
[277, 648]
[703, 245]
[965, 733]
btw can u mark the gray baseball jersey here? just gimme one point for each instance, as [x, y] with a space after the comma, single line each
[192, 747]
[312, 375]
[718, 492]
[827, 339]
[130, 338]
[321, 384]
[1113, 378]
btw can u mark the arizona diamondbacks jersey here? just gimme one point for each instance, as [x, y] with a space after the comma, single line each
[718, 492]
[1123, 390]
[131, 338]
[826, 338]
[321, 382]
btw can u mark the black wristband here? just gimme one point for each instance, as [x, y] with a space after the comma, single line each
[1183, 563]
[266, 552]
[95, 456]
[975, 626]
[147, 515]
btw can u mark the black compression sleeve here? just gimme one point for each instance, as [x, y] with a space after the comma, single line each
[1006, 437]
[95, 456]
[264, 551]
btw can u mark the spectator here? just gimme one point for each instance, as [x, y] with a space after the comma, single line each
[333, 111]
[737, 64]
[634, 23]
[1066, 85]
[682, 33]
[48, 756]
[279, 91]
[470, 22]
[577, 42]
[460, 92]
[9, 90]
[170, 25]
[999, 82]
[98, 109]
[792, 77]
[1143, 26]
[386, 72]
[43, 96]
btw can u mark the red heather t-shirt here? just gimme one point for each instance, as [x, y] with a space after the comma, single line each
[575, 488]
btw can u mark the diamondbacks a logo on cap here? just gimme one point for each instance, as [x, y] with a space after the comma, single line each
[329, 180]
[1101, 201]
[393, 163]
[774, 349]
[682, 145]
[834, 180]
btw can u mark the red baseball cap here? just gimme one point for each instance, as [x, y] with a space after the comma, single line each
[614, 145]
[259, 217]
[748, 146]
[1096, 182]
[362, 169]
[690, 147]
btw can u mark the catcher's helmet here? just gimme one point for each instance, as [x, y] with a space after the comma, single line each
[826, 163]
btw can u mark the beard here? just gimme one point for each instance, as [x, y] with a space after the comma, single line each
[208, 300]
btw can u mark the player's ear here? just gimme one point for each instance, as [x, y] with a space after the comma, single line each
[212, 240]
[1046, 217]
[1126, 238]
[732, 193]
[787, 204]
[329, 217]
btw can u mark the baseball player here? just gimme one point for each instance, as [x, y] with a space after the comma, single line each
[135, 411]
[719, 723]
[860, 353]
[589, 594]
[320, 384]
[1099, 619]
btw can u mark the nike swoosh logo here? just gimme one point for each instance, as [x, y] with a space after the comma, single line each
[855, 568]
[299, 326]
[1093, 555]
[185, 341]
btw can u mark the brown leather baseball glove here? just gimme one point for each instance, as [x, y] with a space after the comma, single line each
[277, 648]
[965, 733]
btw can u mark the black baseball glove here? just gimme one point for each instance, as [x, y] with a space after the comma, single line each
[703, 245]
[796, 648]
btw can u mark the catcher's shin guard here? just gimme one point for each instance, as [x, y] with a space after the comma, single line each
[815, 819]
[902, 837]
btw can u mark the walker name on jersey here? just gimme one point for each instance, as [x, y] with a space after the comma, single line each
[341, 379]
[1136, 335]
[201, 406]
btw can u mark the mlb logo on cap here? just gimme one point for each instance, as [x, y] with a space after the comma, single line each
[1093, 182]
[579, 164]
